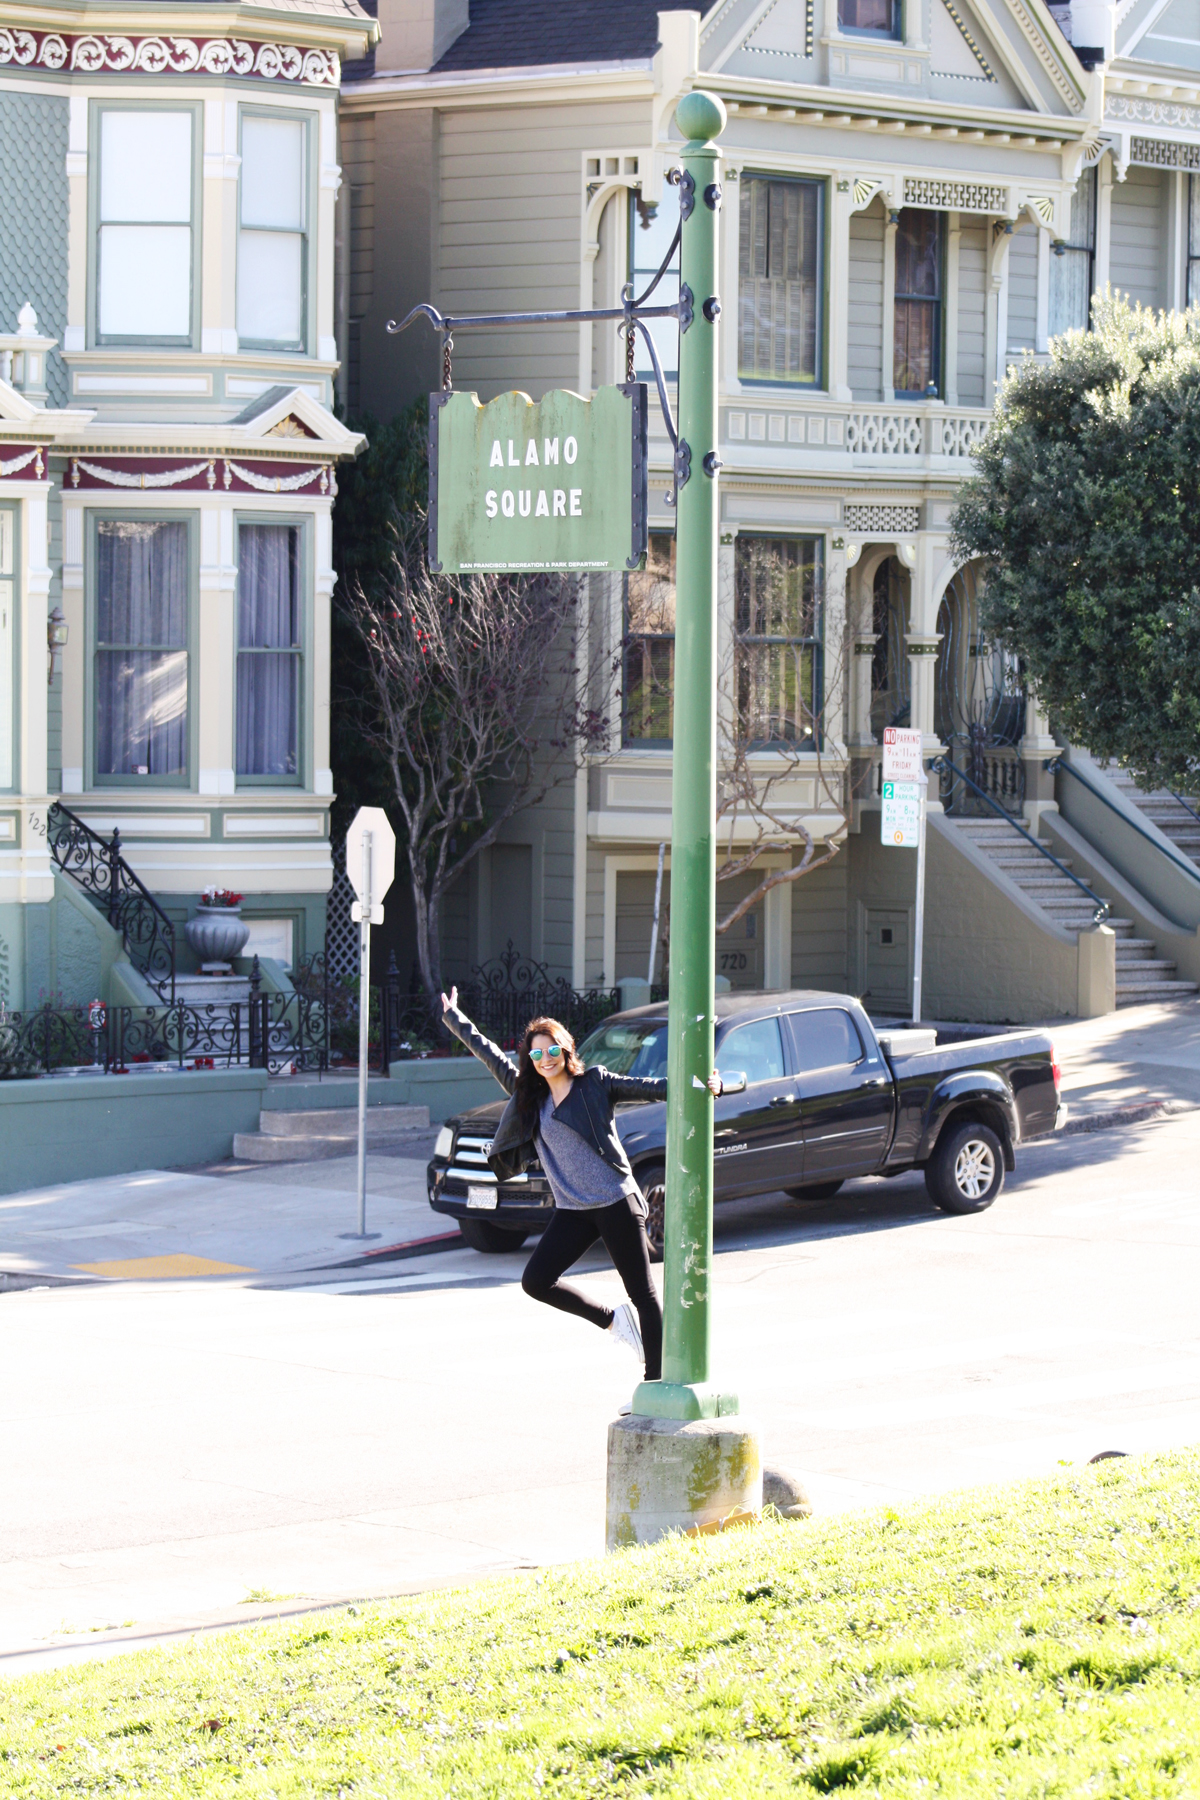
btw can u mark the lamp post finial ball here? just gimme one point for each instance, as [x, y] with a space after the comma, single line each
[700, 116]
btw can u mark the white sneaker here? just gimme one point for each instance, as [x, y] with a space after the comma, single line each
[626, 1330]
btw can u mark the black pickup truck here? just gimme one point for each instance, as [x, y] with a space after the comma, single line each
[814, 1095]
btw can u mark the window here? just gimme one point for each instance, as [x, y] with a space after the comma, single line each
[917, 370]
[825, 1039]
[268, 664]
[144, 228]
[777, 585]
[780, 281]
[753, 1050]
[649, 683]
[141, 667]
[8, 572]
[1193, 272]
[271, 239]
[1072, 266]
[651, 229]
[628, 1049]
[879, 18]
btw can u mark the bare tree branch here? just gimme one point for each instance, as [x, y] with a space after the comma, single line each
[477, 704]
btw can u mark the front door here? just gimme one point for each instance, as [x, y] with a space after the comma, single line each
[845, 1095]
[888, 985]
[757, 1142]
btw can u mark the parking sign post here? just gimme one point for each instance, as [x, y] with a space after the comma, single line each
[902, 826]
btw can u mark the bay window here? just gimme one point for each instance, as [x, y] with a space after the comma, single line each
[1072, 266]
[649, 663]
[651, 231]
[144, 221]
[870, 18]
[917, 370]
[780, 281]
[778, 648]
[270, 612]
[8, 626]
[272, 234]
[142, 584]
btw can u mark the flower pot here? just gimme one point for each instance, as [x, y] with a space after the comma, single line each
[217, 934]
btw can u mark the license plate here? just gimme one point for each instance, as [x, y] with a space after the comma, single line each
[482, 1199]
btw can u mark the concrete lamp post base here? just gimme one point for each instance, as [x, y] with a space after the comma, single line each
[669, 1475]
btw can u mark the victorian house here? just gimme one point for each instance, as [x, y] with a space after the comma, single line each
[917, 193]
[168, 454]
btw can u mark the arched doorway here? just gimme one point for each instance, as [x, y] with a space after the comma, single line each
[979, 704]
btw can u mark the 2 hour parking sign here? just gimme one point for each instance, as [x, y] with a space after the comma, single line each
[559, 485]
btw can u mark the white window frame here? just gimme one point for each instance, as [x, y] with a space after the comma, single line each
[112, 340]
[292, 116]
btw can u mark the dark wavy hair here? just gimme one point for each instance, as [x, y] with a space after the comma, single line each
[531, 1088]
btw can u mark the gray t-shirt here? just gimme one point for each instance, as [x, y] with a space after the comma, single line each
[580, 1180]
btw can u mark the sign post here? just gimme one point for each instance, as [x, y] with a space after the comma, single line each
[371, 867]
[902, 826]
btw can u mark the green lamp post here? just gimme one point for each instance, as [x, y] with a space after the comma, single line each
[682, 1457]
[685, 1391]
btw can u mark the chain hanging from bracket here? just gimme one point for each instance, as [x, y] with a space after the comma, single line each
[447, 372]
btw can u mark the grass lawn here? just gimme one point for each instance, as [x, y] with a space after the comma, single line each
[1038, 1639]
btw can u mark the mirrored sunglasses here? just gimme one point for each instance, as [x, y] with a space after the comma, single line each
[537, 1055]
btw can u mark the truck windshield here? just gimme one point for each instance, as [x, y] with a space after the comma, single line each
[639, 1049]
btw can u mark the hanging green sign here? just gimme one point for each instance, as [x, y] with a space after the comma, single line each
[560, 485]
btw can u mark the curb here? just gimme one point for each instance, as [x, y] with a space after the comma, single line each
[1138, 1114]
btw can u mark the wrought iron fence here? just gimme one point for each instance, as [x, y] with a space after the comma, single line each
[502, 995]
[282, 1033]
[310, 1030]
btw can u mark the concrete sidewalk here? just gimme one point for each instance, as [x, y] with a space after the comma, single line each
[161, 1224]
[231, 1221]
[1130, 1064]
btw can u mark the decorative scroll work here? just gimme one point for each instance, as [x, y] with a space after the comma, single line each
[94, 54]
[954, 196]
[33, 456]
[1122, 110]
[277, 484]
[139, 478]
[126, 473]
[882, 518]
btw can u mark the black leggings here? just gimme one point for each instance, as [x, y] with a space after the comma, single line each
[564, 1241]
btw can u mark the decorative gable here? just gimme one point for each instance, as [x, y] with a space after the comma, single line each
[291, 427]
[1171, 36]
[955, 48]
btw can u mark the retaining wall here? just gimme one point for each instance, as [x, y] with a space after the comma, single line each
[70, 1127]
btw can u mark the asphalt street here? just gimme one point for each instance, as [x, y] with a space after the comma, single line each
[177, 1452]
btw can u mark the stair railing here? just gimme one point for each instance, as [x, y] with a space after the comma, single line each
[1102, 907]
[1186, 804]
[1059, 767]
[97, 865]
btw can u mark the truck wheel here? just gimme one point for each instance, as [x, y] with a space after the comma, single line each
[819, 1190]
[653, 1183]
[966, 1171]
[493, 1240]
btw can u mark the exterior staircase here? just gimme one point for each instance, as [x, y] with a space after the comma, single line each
[333, 1131]
[1164, 810]
[1143, 977]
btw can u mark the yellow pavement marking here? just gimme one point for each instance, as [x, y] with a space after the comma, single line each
[156, 1268]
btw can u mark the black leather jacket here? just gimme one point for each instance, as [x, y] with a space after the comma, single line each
[587, 1109]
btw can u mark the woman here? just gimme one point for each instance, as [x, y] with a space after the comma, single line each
[562, 1114]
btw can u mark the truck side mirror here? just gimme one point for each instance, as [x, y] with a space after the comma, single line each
[734, 1082]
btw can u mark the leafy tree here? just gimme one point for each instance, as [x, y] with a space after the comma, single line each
[1086, 506]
